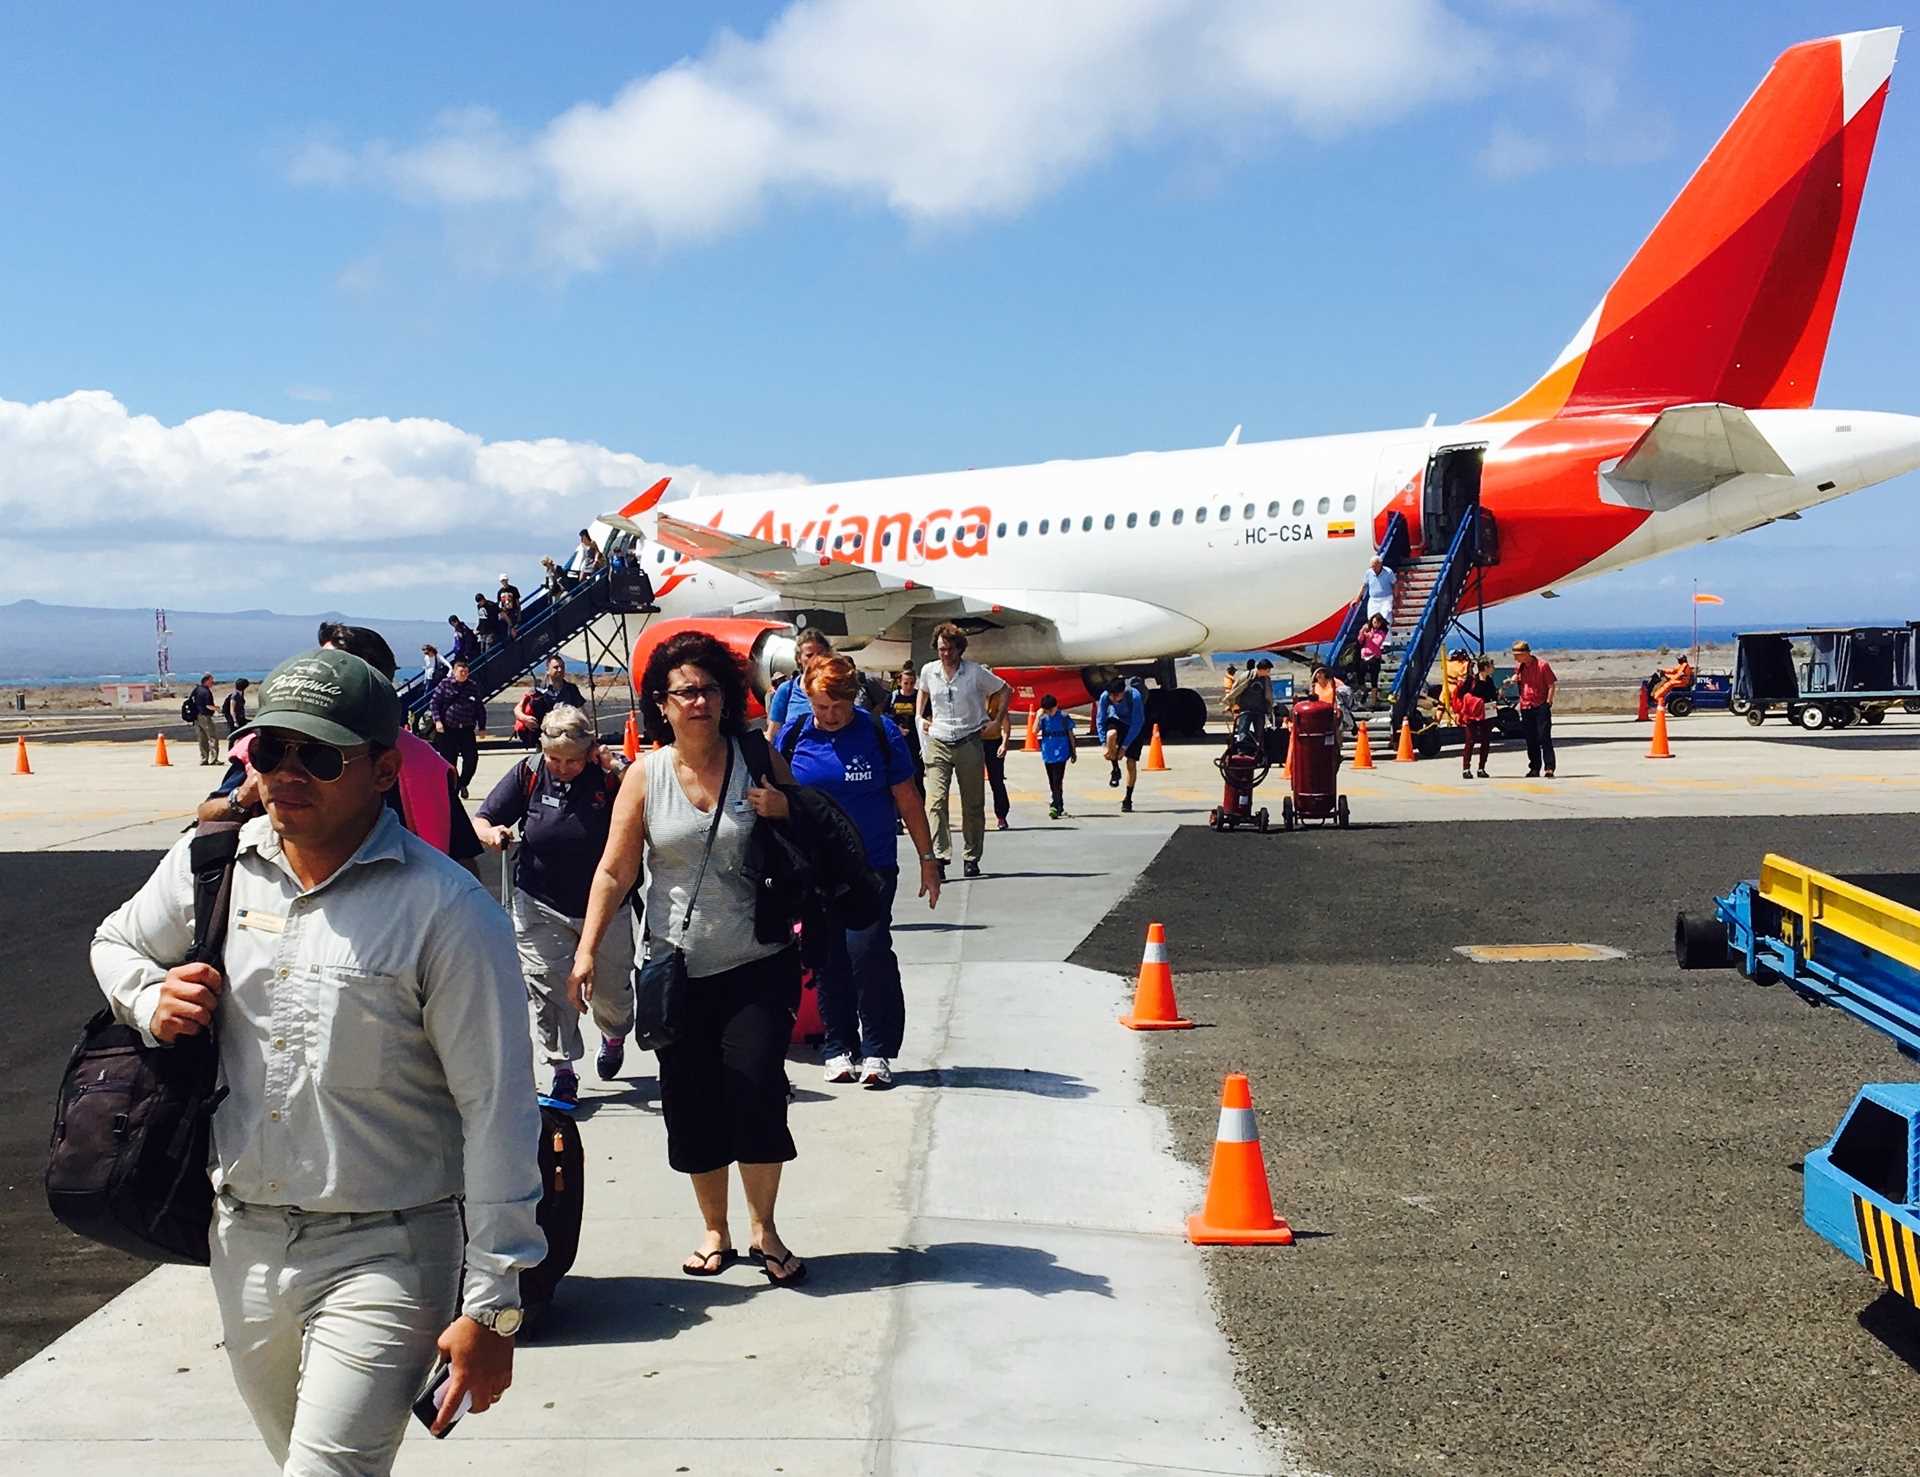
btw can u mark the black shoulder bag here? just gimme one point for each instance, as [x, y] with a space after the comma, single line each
[132, 1127]
[660, 985]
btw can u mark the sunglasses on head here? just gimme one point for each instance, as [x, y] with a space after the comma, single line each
[322, 762]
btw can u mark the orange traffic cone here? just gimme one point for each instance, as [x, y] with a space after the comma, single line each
[1640, 713]
[1033, 730]
[160, 752]
[1404, 754]
[1362, 750]
[1153, 1007]
[1239, 1207]
[631, 743]
[20, 764]
[1156, 756]
[1661, 748]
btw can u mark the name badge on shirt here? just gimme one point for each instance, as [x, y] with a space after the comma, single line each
[260, 922]
[552, 802]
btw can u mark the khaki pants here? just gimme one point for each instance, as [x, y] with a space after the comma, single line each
[965, 761]
[331, 1323]
[547, 940]
[209, 740]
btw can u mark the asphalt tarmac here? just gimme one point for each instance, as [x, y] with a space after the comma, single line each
[1548, 1215]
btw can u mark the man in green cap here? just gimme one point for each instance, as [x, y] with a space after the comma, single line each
[371, 1024]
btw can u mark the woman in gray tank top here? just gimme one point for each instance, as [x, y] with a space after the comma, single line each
[723, 1085]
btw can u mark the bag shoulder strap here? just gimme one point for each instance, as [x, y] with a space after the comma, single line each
[529, 780]
[790, 739]
[879, 731]
[212, 853]
[713, 829]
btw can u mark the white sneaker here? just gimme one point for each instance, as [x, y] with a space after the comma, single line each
[841, 1068]
[876, 1072]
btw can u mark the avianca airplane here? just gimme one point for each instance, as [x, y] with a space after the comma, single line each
[1680, 412]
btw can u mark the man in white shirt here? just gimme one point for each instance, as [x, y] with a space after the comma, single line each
[957, 699]
[372, 1033]
[1380, 581]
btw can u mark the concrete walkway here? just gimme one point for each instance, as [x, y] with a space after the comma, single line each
[998, 1284]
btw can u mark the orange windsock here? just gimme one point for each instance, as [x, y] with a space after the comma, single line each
[1239, 1207]
[1153, 1007]
[20, 764]
[160, 759]
[1156, 756]
[1362, 750]
[631, 743]
[1404, 754]
[1661, 748]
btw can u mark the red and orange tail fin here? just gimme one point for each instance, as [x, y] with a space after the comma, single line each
[1731, 298]
[646, 499]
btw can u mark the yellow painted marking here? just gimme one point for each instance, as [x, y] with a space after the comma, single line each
[1436, 789]
[1536, 953]
[1619, 787]
[1870, 1243]
[1912, 1260]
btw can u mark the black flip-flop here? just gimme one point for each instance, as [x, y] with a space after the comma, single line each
[728, 1256]
[767, 1264]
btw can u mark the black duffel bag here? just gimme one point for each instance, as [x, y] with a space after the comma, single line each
[127, 1166]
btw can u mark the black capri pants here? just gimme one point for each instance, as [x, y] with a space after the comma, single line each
[723, 1082]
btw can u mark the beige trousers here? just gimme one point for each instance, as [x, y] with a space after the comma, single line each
[966, 762]
[209, 740]
[331, 1323]
[547, 939]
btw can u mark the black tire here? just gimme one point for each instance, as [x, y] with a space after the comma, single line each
[1813, 717]
[1428, 743]
[1506, 722]
[1213, 818]
[1843, 715]
[1873, 717]
[1286, 813]
[1756, 716]
[1700, 941]
[1679, 705]
[1263, 823]
[1738, 706]
[1341, 814]
[1911, 704]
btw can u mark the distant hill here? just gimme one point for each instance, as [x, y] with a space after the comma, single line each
[46, 643]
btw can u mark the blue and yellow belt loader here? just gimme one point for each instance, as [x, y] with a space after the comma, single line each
[1854, 943]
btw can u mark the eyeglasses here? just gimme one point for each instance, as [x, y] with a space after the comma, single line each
[322, 762]
[707, 693]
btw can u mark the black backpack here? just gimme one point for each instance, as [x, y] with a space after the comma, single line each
[189, 710]
[563, 1184]
[127, 1166]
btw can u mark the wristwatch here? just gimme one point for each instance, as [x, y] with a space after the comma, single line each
[927, 856]
[234, 808]
[503, 1321]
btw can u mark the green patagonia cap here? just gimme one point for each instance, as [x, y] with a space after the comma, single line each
[332, 696]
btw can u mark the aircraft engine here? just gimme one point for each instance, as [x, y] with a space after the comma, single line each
[764, 647]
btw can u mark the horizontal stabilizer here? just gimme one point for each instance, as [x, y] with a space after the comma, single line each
[1689, 450]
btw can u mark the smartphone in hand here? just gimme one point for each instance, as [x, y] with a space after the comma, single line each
[427, 1407]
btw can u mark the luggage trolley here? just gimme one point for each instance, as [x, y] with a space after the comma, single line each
[1854, 943]
[1313, 768]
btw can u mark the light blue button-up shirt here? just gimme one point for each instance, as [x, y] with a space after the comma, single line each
[373, 1038]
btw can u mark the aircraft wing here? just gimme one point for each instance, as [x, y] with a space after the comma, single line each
[1688, 450]
[872, 600]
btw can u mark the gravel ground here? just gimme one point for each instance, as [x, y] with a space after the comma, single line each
[1549, 1215]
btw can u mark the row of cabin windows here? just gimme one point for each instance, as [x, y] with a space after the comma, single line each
[852, 542]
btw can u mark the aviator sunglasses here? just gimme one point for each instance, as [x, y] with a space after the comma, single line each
[321, 761]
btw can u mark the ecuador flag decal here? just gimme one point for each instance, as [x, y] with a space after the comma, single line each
[1339, 530]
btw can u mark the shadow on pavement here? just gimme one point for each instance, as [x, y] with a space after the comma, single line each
[1012, 876]
[630, 1310]
[1002, 1079]
[938, 927]
[643, 1095]
[978, 1264]
[1890, 1320]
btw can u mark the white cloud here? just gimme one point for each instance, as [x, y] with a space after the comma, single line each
[99, 502]
[1510, 154]
[938, 112]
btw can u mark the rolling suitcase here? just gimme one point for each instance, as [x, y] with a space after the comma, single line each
[563, 1177]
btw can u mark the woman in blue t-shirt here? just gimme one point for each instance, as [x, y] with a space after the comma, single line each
[862, 761]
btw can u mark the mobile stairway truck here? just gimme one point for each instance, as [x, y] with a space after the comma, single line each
[1851, 942]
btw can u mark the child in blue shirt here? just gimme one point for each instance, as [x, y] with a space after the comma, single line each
[1055, 731]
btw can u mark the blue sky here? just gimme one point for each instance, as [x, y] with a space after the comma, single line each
[1019, 243]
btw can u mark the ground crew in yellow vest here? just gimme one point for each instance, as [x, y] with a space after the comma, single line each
[371, 1022]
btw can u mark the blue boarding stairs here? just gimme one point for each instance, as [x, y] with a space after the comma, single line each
[1852, 943]
[548, 622]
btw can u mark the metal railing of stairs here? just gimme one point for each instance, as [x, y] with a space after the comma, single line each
[1344, 653]
[548, 622]
[1472, 545]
